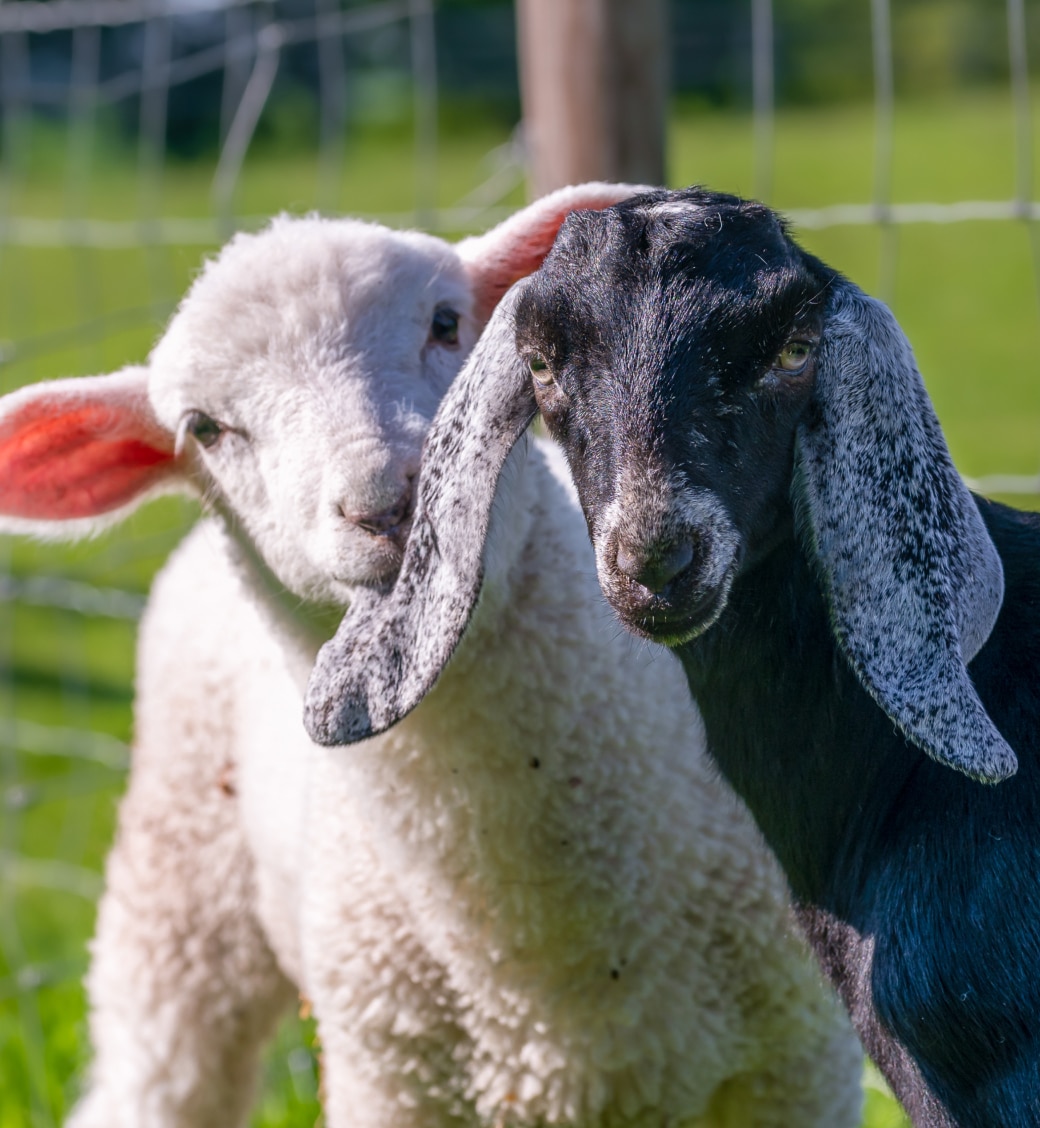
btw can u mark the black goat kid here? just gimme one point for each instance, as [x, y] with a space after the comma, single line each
[769, 494]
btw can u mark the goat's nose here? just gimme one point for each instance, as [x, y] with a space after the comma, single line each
[387, 522]
[654, 567]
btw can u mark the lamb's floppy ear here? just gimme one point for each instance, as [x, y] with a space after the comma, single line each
[389, 650]
[516, 247]
[76, 454]
[913, 582]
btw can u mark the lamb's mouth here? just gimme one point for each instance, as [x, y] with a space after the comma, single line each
[377, 573]
[345, 588]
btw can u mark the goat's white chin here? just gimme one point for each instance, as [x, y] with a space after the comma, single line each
[673, 625]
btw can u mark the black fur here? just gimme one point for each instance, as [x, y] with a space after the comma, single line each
[919, 887]
[938, 873]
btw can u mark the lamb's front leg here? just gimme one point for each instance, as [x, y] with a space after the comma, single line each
[183, 986]
[393, 1054]
[366, 1084]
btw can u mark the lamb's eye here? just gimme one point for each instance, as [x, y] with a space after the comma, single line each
[445, 326]
[204, 429]
[540, 369]
[794, 356]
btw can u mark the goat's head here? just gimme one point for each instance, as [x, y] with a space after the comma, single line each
[716, 389]
[675, 378]
[292, 390]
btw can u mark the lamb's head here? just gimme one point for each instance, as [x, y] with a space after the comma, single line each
[299, 378]
[292, 390]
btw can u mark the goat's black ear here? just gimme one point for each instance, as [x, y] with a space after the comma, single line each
[389, 650]
[913, 582]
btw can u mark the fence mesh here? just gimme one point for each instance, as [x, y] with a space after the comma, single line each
[110, 193]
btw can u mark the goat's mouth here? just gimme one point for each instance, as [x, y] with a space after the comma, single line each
[671, 588]
[667, 621]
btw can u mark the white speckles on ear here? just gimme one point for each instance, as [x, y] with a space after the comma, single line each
[913, 581]
[390, 650]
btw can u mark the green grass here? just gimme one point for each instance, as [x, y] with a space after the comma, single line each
[967, 295]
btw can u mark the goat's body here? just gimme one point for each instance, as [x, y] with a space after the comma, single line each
[490, 908]
[907, 871]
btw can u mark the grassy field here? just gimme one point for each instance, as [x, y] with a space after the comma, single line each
[967, 295]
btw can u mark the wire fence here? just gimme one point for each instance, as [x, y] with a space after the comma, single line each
[97, 241]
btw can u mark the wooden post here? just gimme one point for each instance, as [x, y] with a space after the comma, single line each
[593, 77]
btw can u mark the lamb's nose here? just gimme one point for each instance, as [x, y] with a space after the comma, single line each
[654, 567]
[387, 522]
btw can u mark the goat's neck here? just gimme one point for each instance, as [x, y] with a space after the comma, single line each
[792, 729]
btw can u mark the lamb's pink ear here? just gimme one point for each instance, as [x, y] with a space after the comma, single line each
[75, 452]
[516, 247]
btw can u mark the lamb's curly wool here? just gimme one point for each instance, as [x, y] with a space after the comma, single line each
[532, 902]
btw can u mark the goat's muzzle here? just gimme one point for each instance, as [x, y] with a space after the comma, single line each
[671, 588]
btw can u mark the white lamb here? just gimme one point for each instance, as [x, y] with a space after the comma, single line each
[531, 903]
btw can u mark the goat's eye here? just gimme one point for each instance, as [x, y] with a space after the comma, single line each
[540, 369]
[793, 357]
[204, 429]
[445, 326]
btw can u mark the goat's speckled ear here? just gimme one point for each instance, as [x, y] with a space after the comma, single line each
[389, 650]
[913, 581]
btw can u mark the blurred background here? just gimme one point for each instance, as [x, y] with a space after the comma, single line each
[137, 135]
